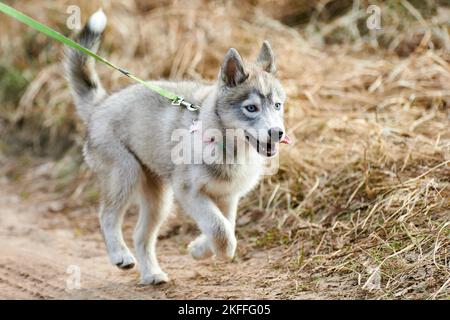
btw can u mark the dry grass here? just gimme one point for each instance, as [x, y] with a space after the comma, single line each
[361, 204]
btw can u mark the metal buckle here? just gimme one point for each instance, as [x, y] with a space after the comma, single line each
[179, 101]
[190, 106]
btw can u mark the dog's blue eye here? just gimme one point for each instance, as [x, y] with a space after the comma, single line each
[278, 106]
[251, 108]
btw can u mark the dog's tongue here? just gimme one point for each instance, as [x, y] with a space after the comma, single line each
[286, 140]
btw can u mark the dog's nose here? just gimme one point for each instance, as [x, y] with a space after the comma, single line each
[276, 134]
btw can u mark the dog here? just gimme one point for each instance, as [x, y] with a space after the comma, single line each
[129, 141]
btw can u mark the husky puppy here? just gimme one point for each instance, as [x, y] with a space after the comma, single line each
[129, 147]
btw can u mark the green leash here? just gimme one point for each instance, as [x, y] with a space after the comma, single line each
[175, 99]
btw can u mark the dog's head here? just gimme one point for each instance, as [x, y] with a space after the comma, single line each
[251, 98]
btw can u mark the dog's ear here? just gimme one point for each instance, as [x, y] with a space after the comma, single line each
[232, 71]
[266, 58]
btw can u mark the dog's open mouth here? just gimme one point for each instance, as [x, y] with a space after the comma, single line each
[266, 149]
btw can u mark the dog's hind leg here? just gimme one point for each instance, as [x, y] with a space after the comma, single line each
[155, 198]
[118, 184]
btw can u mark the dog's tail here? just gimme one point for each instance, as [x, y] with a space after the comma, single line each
[80, 68]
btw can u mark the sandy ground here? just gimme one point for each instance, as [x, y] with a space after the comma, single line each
[41, 253]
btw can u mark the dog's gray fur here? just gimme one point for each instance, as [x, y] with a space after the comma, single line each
[128, 146]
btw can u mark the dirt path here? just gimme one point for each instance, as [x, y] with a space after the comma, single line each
[39, 250]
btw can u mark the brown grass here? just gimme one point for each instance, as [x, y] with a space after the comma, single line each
[361, 204]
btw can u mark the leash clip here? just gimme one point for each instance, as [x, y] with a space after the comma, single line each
[179, 101]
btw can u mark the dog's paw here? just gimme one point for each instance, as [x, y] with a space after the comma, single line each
[224, 243]
[123, 259]
[199, 248]
[154, 278]
[226, 249]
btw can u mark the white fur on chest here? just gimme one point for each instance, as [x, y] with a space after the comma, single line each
[243, 181]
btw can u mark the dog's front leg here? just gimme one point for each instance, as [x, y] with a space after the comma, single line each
[218, 231]
[228, 205]
[200, 248]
